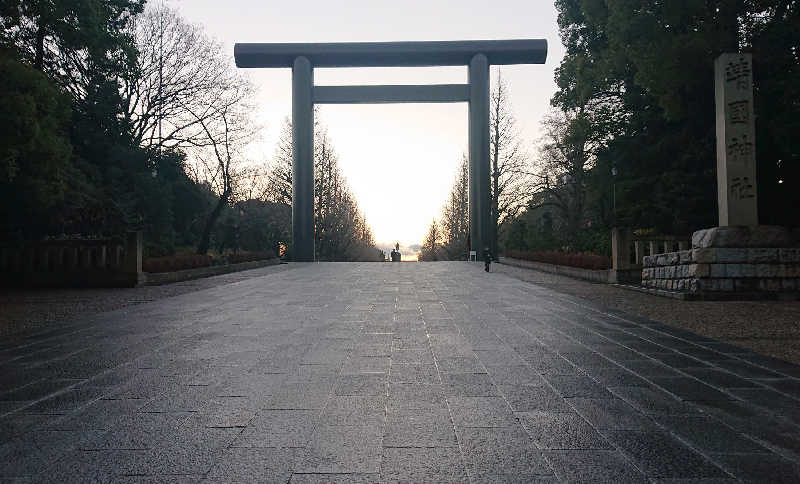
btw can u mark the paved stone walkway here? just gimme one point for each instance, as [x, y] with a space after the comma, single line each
[26, 310]
[386, 373]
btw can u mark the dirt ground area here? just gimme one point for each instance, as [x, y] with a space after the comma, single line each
[768, 327]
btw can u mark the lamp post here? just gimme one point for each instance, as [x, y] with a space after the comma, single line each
[614, 192]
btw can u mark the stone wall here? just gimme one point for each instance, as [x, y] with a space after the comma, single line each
[724, 270]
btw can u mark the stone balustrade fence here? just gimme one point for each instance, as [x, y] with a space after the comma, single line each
[628, 251]
[73, 262]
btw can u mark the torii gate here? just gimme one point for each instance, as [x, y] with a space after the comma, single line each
[478, 55]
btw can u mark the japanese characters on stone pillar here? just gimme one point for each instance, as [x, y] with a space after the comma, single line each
[736, 149]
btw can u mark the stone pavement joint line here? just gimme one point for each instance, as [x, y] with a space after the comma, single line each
[386, 373]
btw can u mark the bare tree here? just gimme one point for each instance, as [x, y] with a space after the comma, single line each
[254, 182]
[185, 93]
[566, 155]
[509, 162]
[228, 131]
[181, 77]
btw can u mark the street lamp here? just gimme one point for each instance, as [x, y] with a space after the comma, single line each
[614, 192]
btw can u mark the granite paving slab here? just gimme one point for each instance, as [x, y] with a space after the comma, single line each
[593, 466]
[370, 372]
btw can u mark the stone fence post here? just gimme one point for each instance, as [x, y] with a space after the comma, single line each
[132, 261]
[620, 255]
[621, 249]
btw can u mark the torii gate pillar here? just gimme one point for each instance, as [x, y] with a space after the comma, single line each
[302, 160]
[478, 55]
[479, 153]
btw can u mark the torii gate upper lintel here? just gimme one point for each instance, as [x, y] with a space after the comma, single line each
[478, 55]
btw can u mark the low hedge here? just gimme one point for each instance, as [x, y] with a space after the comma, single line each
[172, 263]
[581, 260]
[250, 256]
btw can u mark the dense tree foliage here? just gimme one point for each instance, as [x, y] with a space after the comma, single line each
[81, 45]
[642, 74]
[35, 151]
[632, 141]
[73, 164]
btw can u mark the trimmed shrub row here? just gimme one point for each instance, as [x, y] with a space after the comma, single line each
[172, 263]
[582, 260]
[192, 261]
[250, 256]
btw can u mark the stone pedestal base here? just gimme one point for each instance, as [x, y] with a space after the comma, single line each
[760, 262]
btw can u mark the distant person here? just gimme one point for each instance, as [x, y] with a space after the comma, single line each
[487, 258]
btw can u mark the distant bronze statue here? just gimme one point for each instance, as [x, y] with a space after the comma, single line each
[396, 257]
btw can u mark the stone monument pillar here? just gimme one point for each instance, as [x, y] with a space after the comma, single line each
[739, 259]
[736, 138]
[132, 262]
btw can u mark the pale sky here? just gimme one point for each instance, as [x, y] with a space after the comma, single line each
[399, 159]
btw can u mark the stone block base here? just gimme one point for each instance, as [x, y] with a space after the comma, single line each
[720, 265]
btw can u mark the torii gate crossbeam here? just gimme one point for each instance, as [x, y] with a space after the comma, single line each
[478, 55]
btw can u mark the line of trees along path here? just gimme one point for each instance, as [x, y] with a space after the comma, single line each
[448, 238]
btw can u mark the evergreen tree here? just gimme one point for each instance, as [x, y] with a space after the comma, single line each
[35, 150]
[432, 245]
[341, 230]
[455, 215]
